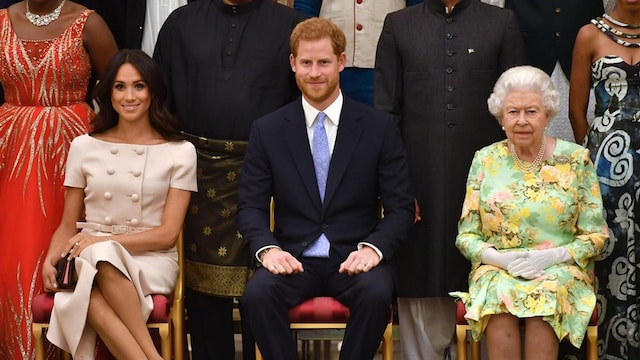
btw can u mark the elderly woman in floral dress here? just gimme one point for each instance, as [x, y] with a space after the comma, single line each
[531, 225]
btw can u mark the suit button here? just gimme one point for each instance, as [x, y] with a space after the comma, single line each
[449, 106]
[304, 244]
[449, 70]
[450, 88]
[449, 53]
[451, 124]
[558, 34]
[325, 226]
[558, 10]
[449, 36]
[449, 20]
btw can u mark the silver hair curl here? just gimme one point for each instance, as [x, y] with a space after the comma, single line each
[524, 78]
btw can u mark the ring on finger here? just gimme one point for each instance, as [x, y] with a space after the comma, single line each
[77, 243]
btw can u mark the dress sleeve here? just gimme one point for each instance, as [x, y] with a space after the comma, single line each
[74, 177]
[184, 169]
[591, 228]
[470, 240]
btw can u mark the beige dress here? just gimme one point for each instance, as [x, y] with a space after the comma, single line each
[125, 185]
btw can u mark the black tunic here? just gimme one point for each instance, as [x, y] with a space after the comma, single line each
[436, 71]
[226, 66]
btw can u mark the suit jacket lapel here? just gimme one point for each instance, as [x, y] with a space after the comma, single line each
[295, 135]
[348, 137]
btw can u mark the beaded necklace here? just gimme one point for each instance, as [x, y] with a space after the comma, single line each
[616, 31]
[527, 167]
[46, 19]
[620, 23]
[612, 36]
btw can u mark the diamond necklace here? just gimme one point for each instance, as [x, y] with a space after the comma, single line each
[528, 167]
[46, 19]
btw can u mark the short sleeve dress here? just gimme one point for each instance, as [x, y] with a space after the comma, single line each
[505, 208]
[124, 185]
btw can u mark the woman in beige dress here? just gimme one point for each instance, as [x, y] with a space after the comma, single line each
[128, 185]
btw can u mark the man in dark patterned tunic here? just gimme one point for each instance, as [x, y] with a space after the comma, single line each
[226, 63]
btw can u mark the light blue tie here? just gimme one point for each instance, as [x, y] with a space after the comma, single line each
[321, 159]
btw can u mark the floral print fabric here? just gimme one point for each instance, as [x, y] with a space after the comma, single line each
[514, 211]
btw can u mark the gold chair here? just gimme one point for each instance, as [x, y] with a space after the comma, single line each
[167, 317]
[326, 313]
[462, 327]
[322, 313]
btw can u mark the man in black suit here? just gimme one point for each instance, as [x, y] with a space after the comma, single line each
[328, 240]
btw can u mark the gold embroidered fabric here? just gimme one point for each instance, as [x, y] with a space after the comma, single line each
[45, 83]
[217, 261]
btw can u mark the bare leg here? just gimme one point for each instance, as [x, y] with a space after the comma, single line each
[503, 337]
[121, 296]
[540, 341]
[111, 330]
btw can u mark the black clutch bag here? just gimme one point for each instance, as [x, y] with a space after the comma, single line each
[66, 273]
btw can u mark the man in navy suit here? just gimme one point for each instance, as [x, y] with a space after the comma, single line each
[367, 166]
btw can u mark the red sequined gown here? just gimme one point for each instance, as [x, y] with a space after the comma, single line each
[45, 84]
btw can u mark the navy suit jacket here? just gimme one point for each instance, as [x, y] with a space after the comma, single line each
[368, 165]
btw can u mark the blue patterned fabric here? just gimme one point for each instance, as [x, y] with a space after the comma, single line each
[614, 142]
[321, 159]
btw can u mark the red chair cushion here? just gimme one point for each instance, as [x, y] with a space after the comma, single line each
[461, 310]
[41, 308]
[43, 305]
[319, 310]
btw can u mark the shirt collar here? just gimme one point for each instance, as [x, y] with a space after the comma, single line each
[438, 6]
[332, 111]
[236, 9]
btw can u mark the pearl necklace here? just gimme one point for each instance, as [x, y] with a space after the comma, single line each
[527, 167]
[46, 19]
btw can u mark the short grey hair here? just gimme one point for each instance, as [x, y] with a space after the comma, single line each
[524, 78]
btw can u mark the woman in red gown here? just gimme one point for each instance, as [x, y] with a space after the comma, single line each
[49, 48]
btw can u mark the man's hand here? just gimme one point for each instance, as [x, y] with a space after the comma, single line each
[360, 261]
[281, 262]
[417, 217]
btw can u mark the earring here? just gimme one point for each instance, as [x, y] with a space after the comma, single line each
[503, 128]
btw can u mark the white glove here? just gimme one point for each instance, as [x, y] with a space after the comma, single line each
[536, 261]
[491, 256]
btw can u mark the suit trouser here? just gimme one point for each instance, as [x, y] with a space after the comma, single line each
[268, 298]
[427, 327]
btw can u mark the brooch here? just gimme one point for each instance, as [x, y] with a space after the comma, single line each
[562, 159]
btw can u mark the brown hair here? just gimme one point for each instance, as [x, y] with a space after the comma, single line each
[161, 120]
[315, 29]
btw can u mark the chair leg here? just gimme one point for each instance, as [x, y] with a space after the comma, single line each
[258, 354]
[461, 336]
[165, 341]
[592, 343]
[38, 333]
[475, 350]
[387, 343]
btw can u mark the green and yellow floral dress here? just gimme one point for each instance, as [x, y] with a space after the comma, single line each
[505, 208]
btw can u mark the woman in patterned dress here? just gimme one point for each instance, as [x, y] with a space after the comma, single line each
[49, 48]
[531, 225]
[607, 57]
